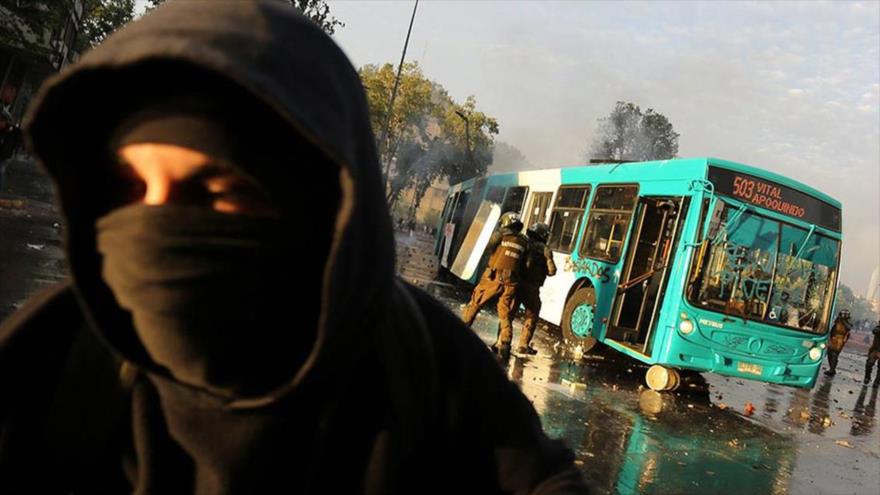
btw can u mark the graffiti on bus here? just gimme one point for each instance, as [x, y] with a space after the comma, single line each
[591, 268]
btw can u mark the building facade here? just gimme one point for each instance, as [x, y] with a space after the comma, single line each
[37, 38]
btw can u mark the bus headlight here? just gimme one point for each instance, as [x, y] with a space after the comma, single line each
[686, 326]
[815, 353]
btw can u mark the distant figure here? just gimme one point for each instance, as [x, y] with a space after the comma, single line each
[839, 335]
[874, 357]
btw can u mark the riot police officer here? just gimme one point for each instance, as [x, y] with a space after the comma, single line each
[509, 248]
[839, 336]
[874, 357]
[538, 266]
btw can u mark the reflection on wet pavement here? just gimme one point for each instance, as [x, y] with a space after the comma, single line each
[629, 439]
[31, 257]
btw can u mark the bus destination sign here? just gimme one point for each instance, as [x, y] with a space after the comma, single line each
[775, 197]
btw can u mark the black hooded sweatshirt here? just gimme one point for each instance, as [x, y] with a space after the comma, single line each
[395, 396]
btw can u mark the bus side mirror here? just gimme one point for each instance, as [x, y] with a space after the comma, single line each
[714, 222]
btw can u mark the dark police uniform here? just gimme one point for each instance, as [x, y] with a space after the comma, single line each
[539, 264]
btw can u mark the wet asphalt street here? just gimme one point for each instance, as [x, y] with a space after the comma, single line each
[699, 439]
[31, 257]
[629, 439]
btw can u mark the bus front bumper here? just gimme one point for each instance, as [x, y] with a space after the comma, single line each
[752, 368]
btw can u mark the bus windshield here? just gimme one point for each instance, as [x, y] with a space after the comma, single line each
[769, 271]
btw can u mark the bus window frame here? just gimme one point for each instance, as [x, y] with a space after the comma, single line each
[522, 205]
[690, 296]
[627, 230]
[583, 210]
[533, 219]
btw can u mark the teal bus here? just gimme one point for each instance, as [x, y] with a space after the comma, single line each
[688, 264]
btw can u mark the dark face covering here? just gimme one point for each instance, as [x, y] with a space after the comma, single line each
[205, 291]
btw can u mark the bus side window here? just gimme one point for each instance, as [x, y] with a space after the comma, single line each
[538, 207]
[608, 222]
[570, 205]
[446, 206]
[514, 200]
[496, 194]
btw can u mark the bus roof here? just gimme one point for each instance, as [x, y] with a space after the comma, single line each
[675, 169]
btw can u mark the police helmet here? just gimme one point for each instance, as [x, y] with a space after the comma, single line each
[512, 221]
[844, 313]
[539, 231]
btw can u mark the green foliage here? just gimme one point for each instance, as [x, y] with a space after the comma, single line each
[101, 18]
[24, 24]
[629, 134]
[430, 136]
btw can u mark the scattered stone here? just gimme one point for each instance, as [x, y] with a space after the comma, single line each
[844, 443]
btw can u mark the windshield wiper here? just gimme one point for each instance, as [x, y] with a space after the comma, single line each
[729, 223]
[804, 245]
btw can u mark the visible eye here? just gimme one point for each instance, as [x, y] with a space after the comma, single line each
[131, 187]
[232, 193]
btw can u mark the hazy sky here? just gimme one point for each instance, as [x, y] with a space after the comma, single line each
[789, 87]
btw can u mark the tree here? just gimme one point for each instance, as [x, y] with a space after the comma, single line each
[415, 104]
[316, 10]
[430, 136]
[25, 24]
[629, 134]
[101, 18]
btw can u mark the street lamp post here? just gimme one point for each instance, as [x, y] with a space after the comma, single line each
[383, 140]
[467, 135]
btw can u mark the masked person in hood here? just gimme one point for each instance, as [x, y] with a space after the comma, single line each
[233, 323]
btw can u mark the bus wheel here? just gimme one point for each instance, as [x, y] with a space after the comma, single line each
[661, 379]
[578, 320]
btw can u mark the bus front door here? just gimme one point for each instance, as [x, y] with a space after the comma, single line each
[645, 272]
